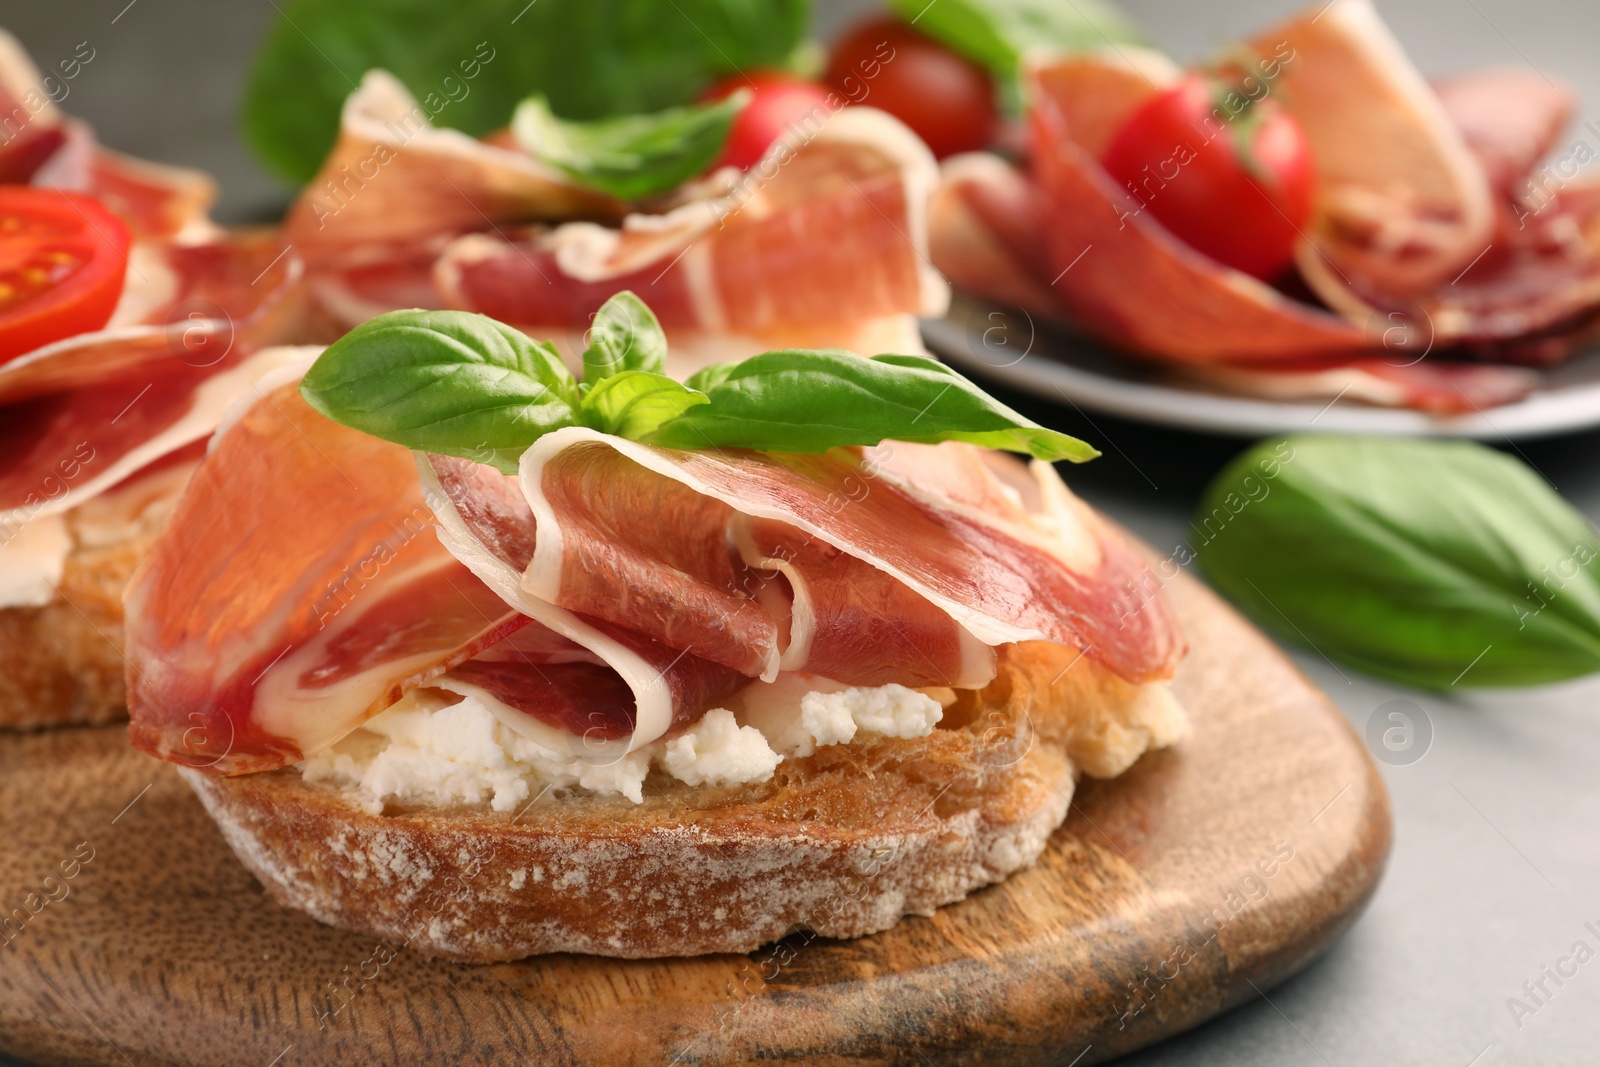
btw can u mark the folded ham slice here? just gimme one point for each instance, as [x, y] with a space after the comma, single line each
[833, 236]
[1061, 576]
[485, 520]
[104, 405]
[612, 591]
[1402, 203]
[297, 590]
[1536, 278]
[823, 236]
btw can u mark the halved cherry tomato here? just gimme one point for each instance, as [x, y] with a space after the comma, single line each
[777, 101]
[62, 261]
[1232, 178]
[946, 99]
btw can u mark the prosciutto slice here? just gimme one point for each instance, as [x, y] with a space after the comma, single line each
[297, 590]
[487, 522]
[1509, 117]
[309, 577]
[1062, 577]
[835, 235]
[79, 416]
[826, 233]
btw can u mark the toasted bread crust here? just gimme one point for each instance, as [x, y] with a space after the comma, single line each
[61, 663]
[842, 843]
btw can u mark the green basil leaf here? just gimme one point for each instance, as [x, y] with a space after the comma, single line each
[445, 381]
[997, 33]
[1435, 564]
[634, 403]
[625, 336]
[470, 62]
[631, 156]
[810, 401]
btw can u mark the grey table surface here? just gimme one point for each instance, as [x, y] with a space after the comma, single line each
[1495, 869]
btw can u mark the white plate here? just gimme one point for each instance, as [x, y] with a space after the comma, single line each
[1008, 346]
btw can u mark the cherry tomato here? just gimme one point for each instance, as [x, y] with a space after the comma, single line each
[777, 101]
[62, 260]
[1230, 177]
[948, 100]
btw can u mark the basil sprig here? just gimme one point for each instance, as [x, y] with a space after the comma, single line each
[630, 156]
[464, 385]
[1435, 564]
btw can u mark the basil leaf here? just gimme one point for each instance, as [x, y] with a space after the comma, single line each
[445, 381]
[997, 33]
[631, 156]
[810, 401]
[625, 337]
[634, 403]
[1435, 564]
[470, 62]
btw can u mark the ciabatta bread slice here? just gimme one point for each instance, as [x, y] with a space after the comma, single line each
[843, 842]
[61, 663]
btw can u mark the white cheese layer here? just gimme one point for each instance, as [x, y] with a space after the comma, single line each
[32, 558]
[440, 748]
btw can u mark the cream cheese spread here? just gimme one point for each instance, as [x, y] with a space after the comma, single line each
[438, 748]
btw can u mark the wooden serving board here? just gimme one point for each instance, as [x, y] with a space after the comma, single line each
[1204, 875]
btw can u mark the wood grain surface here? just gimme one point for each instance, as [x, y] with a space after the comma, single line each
[1205, 875]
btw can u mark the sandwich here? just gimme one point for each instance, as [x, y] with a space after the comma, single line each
[464, 651]
[128, 323]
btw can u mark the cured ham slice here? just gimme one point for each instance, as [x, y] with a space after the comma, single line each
[1432, 386]
[658, 558]
[79, 416]
[1064, 578]
[1509, 117]
[1123, 275]
[1535, 280]
[1403, 205]
[986, 233]
[297, 590]
[395, 182]
[826, 233]
[486, 521]
[31, 122]
[854, 623]
[299, 587]
[59, 450]
[834, 235]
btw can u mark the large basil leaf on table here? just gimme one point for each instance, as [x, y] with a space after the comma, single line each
[590, 58]
[1431, 563]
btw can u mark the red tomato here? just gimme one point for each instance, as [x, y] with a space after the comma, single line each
[778, 101]
[62, 260]
[1234, 182]
[948, 100]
